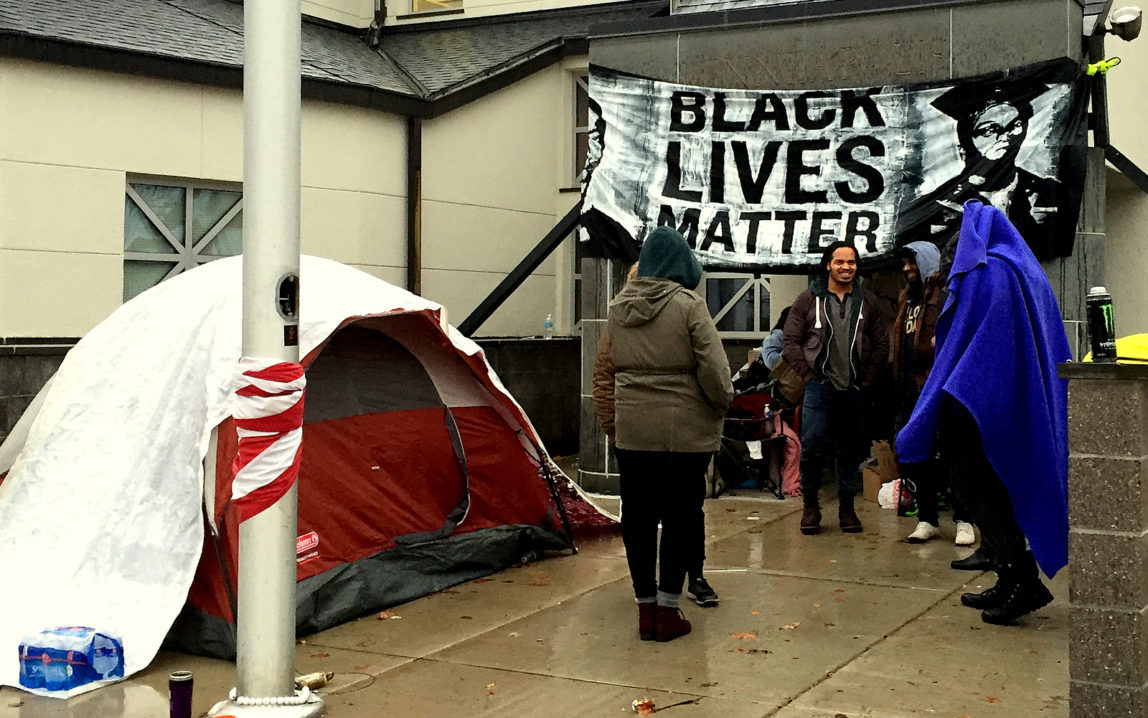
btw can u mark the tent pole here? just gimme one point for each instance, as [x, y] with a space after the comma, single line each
[271, 186]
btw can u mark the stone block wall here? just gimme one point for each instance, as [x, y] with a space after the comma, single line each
[25, 366]
[1108, 540]
[543, 375]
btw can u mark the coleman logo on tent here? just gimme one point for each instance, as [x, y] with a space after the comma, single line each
[306, 546]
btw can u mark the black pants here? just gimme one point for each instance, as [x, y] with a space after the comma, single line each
[668, 488]
[982, 492]
[927, 479]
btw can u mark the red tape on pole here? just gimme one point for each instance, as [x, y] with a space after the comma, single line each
[269, 417]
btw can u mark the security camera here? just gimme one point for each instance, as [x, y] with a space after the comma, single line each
[1126, 22]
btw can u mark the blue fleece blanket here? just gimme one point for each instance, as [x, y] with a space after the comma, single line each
[999, 340]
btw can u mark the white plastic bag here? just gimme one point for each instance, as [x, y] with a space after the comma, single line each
[887, 494]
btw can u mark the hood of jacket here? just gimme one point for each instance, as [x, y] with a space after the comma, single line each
[928, 258]
[642, 299]
[667, 255]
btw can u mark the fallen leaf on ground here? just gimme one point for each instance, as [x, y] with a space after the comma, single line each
[745, 635]
[993, 699]
[731, 511]
[832, 560]
[386, 615]
[466, 618]
[643, 706]
[817, 604]
[540, 579]
[755, 612]
[480, 580]
[791, 626]
[320, 655]
[514, 634]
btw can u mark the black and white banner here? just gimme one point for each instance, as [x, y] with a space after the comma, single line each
[765, 180]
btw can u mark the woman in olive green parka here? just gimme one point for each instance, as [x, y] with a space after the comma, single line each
[672, 387]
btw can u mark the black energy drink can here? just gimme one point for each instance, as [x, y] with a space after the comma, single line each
[1101, 325]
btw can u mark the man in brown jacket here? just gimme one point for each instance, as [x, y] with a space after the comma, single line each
[918, 307]
[837, 340]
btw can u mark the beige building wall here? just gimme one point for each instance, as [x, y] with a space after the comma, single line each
[490, 173]
[399, 11]
[352, 13]
[1126, 261]
[70, 138]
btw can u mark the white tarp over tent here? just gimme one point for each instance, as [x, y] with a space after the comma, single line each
[100, 515]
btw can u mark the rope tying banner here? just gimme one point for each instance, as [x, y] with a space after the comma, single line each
[269, 417]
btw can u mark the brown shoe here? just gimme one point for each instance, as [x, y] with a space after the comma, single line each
[647, 613]
[811, 518]
[669, 624]
[847, 517]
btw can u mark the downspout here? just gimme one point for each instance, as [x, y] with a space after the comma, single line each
[414, 205]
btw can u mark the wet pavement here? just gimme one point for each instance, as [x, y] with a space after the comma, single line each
[808, 626]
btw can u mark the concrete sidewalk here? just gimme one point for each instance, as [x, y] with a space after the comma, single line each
[822, 626]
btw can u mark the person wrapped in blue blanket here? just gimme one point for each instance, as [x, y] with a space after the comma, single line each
[1001, 409]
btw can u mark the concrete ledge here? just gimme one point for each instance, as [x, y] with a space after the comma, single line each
[1107, 646]
[1091, 700]
[1107, 493]
[1108, 416]
[1107, 569]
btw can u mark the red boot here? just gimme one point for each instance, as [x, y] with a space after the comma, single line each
[647, 613]
[669, 624]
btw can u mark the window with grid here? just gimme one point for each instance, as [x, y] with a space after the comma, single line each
[171, 227]
[739, 303]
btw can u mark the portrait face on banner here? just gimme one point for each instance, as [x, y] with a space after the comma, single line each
[766, 180]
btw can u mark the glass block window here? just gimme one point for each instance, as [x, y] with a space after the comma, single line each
[739, 303]
[172, 227]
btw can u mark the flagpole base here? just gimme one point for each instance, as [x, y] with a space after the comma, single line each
[304, 705]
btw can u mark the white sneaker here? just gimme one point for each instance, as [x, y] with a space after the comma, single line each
[965, 534]
[923, 532]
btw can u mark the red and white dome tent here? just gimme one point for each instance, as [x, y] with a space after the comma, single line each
[419, 470]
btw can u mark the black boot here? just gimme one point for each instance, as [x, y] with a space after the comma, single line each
[811, 517]
[847, 516]
[989, 598]
[1025, 593]
[979, 560]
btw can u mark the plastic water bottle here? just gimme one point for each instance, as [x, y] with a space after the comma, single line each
[548, 327]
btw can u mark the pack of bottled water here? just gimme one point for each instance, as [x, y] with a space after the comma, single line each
[60, 661]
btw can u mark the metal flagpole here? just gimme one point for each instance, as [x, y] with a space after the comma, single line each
[271, 188]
